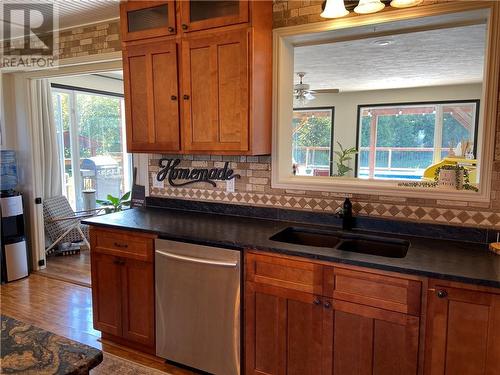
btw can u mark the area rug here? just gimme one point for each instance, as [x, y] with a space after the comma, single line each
[112, 364]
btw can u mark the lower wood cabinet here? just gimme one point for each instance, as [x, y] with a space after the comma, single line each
[123, 287]
[293, 332]
[361, 339]
[463, 330]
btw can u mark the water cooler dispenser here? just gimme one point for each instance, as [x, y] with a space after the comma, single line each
[14, 255]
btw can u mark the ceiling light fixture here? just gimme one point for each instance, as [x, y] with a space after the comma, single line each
[405, 3]
[301, 90]
[334, 9]
[383, 42]
[369, 6]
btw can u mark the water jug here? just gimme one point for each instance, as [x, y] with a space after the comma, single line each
[8, 170]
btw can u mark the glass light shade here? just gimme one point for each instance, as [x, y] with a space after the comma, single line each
[405, 3]
[334, 9]
[369, 6]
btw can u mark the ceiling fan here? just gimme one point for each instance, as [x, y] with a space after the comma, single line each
[302, 91]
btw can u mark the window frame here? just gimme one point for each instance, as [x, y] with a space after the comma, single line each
[477, 103]
[435, 16]
[332, 132]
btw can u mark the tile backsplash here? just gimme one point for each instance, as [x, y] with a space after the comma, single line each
[254, 188]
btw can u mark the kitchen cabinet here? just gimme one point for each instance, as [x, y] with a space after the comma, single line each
[215, 80]
[463, 331]
[294, 326]
[151, 97]
[205, 89]
[285, 327]
[147, 19]
[122, 280]
[360, 339]
[202, 14]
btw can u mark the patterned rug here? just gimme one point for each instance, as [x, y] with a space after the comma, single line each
[112, 364]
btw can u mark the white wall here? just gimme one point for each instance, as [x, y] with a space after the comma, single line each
[346, 104]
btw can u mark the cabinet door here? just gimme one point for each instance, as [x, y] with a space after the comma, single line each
[138, 302]
[361, 340]
[106, 293]
[283, 331]
[146, 19]
[463, 333]
[203, 14]
[215, 80]
[151, 95]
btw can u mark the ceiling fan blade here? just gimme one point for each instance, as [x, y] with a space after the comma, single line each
[309, 96]
[327, 91]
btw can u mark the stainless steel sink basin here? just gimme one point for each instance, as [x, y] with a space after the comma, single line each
[357, 243]
[307, 237]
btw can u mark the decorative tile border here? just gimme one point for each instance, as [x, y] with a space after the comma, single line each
[453, 216]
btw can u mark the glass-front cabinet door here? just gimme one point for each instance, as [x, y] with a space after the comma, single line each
[206, 14]
[147, 19]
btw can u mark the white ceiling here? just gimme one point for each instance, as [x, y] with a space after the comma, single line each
[73, 13]
[426, 58]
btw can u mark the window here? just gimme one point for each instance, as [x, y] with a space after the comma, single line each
[312, 135]
[401, 141]
[91, 135]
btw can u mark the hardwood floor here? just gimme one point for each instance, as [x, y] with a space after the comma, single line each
[66, 309]
[72, 268]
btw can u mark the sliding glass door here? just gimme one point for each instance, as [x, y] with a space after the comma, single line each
[92, 144]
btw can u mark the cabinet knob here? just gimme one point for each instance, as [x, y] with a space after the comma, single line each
[186, 97]
[184, 26]
[173, 97]
[441, 293]
[171, 29]
[317, 301]
[327, 305]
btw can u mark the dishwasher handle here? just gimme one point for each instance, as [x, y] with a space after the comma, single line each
[198, 260]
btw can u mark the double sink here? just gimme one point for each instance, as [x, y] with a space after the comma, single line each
[345, 241]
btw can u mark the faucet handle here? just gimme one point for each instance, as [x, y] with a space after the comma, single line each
[339, 212]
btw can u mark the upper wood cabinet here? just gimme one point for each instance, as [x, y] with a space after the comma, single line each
[463, 330]
[204, 89]
[215, 92]
[151, 96]
[202, 14]
[147, 19]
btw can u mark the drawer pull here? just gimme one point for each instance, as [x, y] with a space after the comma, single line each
[441, 293]
[327, 305]
[121, 245]
[317, 301]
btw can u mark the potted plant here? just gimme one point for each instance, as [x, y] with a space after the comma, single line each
[115, 204]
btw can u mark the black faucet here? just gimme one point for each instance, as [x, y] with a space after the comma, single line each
[346, 214]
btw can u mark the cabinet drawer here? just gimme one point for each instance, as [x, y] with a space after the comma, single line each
[284, 272]
[135, 246]
[372, 289]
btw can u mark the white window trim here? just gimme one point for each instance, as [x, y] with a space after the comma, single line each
[283, 70]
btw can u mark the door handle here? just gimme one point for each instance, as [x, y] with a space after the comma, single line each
[197, 260]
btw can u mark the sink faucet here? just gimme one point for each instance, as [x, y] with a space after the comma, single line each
[345, 212]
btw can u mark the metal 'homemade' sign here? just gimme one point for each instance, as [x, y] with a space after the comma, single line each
[170, 172]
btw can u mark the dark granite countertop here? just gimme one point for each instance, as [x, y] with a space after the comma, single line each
[451, 260]
[26, 349]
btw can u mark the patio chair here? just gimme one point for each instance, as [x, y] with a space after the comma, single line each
[63, 225]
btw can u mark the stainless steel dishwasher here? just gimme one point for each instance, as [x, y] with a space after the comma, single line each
[198, 306]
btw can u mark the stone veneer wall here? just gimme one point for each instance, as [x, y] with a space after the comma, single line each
[90, 40]
[254, 188]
